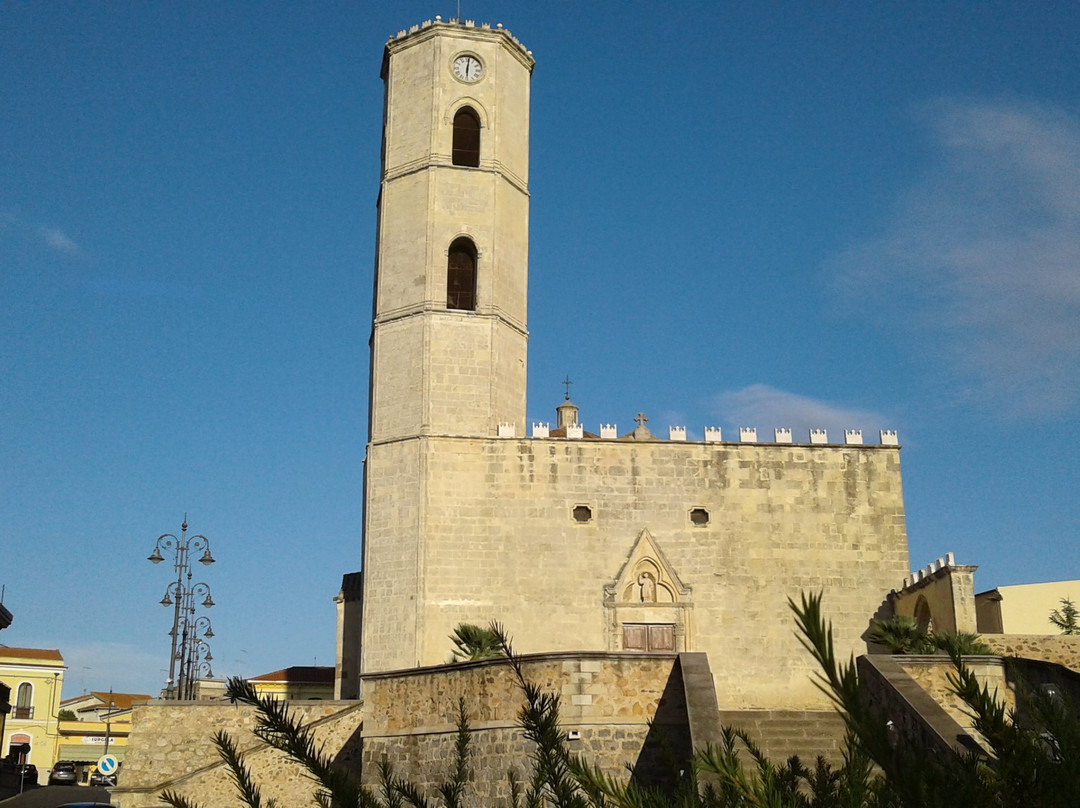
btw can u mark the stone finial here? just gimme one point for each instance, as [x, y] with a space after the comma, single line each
[941, 564]
[853, 437]
[888, 437]
[950, 559]
[819, 436]
[676, 433]
[782, 435]
[748, 434]
[641, 432]
[541, 429]
[609, 431]
[712, 434]
[507, 430]
[574, 431]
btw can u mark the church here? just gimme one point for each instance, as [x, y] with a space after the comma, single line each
[573, 539]
[643, 576]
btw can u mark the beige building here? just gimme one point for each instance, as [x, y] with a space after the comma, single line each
[300, 682]
[1024, 608]
[35, 677]
[615, 541]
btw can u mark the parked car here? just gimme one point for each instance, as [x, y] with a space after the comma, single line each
[63, 774]
[29, 773]
[99, 779]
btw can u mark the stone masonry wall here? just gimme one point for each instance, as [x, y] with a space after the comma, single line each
[932, 672]
[783, 733]
[607, 700]
[782, 520]
[1062, 649]
[170, 747]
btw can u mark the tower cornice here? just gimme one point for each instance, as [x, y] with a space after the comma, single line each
[461, 29]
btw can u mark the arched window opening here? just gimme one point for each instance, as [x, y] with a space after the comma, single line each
[466, 138]
[923, 617]
[24, 701]
[461, 276]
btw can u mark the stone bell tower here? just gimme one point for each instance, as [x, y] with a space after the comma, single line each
[448, 343]
[449, 335]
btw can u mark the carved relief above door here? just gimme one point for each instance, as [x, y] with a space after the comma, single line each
[646, 606]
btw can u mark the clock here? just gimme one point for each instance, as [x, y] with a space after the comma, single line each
[468, 68]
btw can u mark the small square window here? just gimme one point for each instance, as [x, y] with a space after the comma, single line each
[582, 513]
[699, 517]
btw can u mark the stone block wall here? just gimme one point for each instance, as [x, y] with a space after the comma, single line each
[170, 747]
[607, 704]
[931, 674]
[783, 733]
[782, 520]
[1062, 649]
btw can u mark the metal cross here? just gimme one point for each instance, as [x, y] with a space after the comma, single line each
[567, 382]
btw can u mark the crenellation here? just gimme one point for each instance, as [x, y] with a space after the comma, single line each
[609, 431]
[819, 436]
[713, 434]
[853, 437]
[677, 433]
[747, 434]
[782, 435]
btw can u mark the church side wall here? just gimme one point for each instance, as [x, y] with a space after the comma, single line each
[500, 542]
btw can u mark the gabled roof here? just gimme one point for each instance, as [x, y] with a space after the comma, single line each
[30, 653]
[306, 674]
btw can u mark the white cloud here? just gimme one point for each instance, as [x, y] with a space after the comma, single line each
[980, 263]
[55, 238]
[767, 408]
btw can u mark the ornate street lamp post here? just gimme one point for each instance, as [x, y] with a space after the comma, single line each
[186, 661]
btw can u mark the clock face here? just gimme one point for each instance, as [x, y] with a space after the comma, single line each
[468, 68]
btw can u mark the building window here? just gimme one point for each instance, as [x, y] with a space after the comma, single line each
[649, 637]
[582, 513]
[461, 276]
[24, 701]
[699, 517]
[466, 138]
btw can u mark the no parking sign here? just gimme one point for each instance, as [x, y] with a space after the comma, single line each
[107, 764]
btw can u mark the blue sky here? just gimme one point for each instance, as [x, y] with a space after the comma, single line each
[839, 215]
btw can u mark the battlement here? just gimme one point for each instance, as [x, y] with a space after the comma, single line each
[934, 568]
[437, 23]
[712, 434]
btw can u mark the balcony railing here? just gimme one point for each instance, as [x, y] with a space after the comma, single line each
[24, 713]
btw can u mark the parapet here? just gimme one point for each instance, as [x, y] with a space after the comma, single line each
[939, 596]
[712, 434]
[455, 23]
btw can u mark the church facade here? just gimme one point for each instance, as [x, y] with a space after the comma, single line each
[634, 543]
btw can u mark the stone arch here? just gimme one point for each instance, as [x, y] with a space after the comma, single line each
[923, 618]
